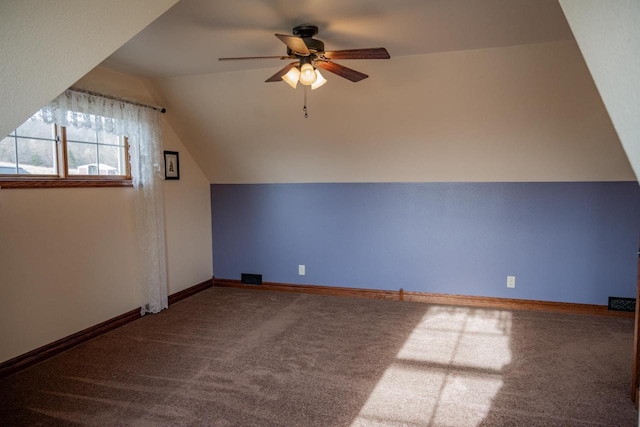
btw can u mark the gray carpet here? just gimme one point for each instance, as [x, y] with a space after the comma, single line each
[240, 357]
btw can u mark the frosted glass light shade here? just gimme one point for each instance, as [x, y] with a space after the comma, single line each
[292, 77]
[307, 74]
[319, 81]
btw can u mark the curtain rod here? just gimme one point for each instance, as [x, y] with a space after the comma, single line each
[115, 98]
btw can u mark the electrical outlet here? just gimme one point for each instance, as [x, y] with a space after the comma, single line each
[511, 281]
[301, 270]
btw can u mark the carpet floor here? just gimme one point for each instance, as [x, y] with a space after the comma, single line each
[240, 357]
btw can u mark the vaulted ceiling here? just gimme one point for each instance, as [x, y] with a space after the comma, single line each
[47, 46]
[474, 91]
[190, 37]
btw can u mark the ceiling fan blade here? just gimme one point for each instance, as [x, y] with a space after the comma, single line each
[341, 70]
[255, 57]
[373, 53]
[277, 77]
[295, 43]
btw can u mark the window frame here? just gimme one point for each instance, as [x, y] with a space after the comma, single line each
[63, 179]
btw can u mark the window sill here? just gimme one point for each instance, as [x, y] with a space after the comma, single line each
[9, 183]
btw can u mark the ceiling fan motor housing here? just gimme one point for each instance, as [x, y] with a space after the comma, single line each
[306, 32]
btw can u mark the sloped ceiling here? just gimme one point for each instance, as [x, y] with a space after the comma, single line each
[195, 33]
[609, 39]
[46, 46]
[475, 91]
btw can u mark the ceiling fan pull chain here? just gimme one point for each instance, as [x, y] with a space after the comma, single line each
[306, 115]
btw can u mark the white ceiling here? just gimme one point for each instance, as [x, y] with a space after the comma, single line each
[190, 37]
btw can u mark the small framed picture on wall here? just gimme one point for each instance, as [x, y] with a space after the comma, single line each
[171, 165]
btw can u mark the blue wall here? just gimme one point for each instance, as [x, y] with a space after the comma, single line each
[569, 242]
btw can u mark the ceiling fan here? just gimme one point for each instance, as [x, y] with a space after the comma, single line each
[309, 55]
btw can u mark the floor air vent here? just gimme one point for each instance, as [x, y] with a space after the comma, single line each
[622, 304]
[251, 279]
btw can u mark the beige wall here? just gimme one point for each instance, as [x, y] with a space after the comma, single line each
[188, 220]
[521, 113]
[68, 256]
[67, 262]
[47, 45]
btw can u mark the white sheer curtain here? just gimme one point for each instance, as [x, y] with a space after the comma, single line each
[141, 125]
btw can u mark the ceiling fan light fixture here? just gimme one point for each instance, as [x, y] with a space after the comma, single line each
[319, 81]
[292, 77]
[307, 75]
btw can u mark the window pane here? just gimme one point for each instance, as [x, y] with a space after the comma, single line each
[106, 138]
[7, 156]
[82, 158]
[112, 160]
[36, 157]
[36, 129]
[81, 134]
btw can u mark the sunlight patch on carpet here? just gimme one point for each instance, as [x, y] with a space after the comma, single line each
[449, 368]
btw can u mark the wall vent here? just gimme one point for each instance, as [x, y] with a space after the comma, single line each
[251, 279]
[622, 304]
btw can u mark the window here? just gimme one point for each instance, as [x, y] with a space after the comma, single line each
[30, 150]
[38, 154]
